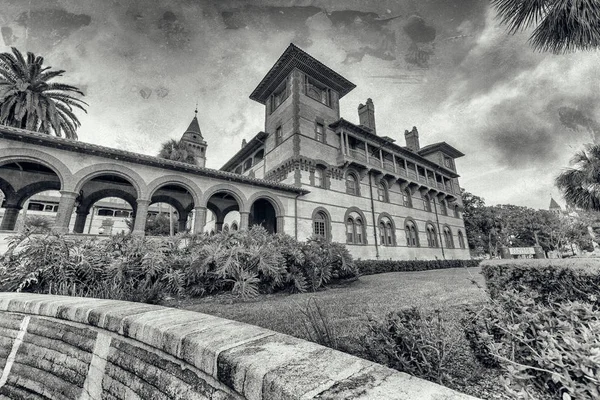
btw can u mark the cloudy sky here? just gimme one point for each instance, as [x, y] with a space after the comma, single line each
[445, 66]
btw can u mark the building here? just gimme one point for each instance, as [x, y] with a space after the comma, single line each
[310, 172]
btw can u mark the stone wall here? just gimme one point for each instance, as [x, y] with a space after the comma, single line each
[57, 347]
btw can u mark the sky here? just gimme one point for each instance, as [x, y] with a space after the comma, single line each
[444, 66]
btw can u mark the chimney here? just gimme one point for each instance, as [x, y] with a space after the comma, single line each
[244, 143]
[412, 139]
[366, 115]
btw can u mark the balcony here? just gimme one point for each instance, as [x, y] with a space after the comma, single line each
[358, 155]
[388, 165]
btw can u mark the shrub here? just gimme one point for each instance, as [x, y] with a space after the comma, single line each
[38, 224]
[424, 345]
[317, 324]
[554, 280]
[370, 267]
[552, 347]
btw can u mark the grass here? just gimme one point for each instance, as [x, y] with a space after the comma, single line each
[348, 305]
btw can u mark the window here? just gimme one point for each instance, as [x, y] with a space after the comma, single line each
[121, 213]
[317, 91]
[278, 136]
[431, 236]
[279, 95]
[35, 207]
[461, 240]
[238, 170]
[448, 238]
[320, 224]
[412, 238]
[248, 164]
[352, 185]
[354, 229]
[443, 208]
[382, 192]
[106, 212]
[386, 232]
[320, 131]
[319, 177]
[456, 211]
[407, 198]
[427, 203]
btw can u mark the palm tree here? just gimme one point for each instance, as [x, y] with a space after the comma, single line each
[176, 151]
[580, 184]
[560, 25]
[29, 101]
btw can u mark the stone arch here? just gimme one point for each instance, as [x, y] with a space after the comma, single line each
[227, 188]
[364, 222]
[88, 173]
[94, 197]
[31, 155]
[275, 201]
[170, 201]
[188, 184]
[28, 191]
[8, 190]
[327, 222]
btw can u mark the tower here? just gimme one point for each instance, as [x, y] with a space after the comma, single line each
[194, 142]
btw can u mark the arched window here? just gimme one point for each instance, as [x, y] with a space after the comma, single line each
[386, 232]
[461, 240]
[431, 236]
[234, 226]
[382, 192]
[352, 185]
[456, 211]
[407, 198]
[225, 228]
[320, 224]
[443, 207]
[354, 229]
[412, 237]
[448, 238]
[427, 203]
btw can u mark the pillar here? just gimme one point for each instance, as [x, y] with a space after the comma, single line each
[218, 226]
[80, 219]
[11, 214]
[280, 224]
[65, 210]
[182, 223]
[199, 219]
[244, 217]
[141, 215]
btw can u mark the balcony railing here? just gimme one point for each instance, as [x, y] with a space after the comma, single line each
[412, 175]
[357, 154]
[422, 179]
[441, 186]
[388, 165]
[402, 171]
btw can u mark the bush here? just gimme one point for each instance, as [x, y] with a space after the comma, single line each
[424, 345]
[370, 267]
[552, 347]
[125, 267]
[554, 280]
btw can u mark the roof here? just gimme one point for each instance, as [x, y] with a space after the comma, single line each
[254, 143]
[443, 147]
[42, 139]
[384, 141]
[294, 57]
[553, 205]
[193, 133]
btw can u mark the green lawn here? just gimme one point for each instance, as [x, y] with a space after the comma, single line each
[349, 305]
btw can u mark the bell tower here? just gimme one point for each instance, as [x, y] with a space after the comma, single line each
[194, 142]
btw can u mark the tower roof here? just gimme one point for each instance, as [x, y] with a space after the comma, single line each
[193, 133]
[553, 205]
[294, 57]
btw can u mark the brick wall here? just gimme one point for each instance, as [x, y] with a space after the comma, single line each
[56, 347]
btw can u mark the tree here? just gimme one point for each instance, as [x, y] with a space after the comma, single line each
[560, 25]
[29, 101]
[580, 184]
[176, 151]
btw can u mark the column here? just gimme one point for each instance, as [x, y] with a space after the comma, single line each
[182, 222]
[244, 219]
[80, 219]
[139, 227]
[11, 214]
[218, 226]
[199, 219]
[280, 220]
[367, 151]
[65, 210]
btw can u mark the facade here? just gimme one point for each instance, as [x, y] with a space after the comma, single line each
[382, 199]
[310, 172]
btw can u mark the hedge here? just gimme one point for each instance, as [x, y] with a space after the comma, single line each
[371, 267]
[555, 280]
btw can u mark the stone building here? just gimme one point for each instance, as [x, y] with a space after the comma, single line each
[380, 198]
[309, 172]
